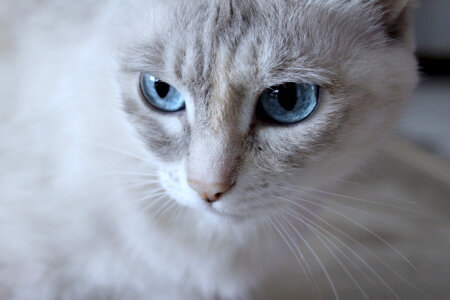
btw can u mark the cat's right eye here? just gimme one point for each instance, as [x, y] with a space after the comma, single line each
[288, 103]
[160, 94]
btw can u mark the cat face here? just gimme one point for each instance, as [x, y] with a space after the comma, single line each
[213, 60]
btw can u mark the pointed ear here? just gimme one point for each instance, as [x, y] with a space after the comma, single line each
[396, 18]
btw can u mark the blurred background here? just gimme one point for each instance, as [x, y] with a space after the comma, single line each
[426, 122]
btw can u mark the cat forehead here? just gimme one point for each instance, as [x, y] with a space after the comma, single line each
[226, 48]
[222, 54]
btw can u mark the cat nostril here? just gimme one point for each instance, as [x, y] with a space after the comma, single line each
[210, 192]
[211, 198]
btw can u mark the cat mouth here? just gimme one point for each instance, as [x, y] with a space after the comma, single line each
[247, 212]
[232, 215]
[222, 212]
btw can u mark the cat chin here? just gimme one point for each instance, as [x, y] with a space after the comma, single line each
[227, 217]
[221, 214]
[223, 220]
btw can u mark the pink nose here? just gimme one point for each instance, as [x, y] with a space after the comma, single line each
[210, 192]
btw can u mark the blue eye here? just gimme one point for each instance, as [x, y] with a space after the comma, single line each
[290, 102]
[160, 94]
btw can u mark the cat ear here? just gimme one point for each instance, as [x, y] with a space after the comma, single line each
[396, 18]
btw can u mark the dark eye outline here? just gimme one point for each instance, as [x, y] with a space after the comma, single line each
[262, 115]
[150, 103]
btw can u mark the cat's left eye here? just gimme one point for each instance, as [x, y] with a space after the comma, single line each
[160, 94]
[288, 103]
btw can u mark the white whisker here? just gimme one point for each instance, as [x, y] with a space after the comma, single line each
[370, 268]
[318, 234]
[330, 281]
[168, 209]
[151, 186]
[296, 215]
[350, 198]
[360, 226]
[311, 276]
[156, 213]
[297, 258]
[154, 202]
[350, 249]
[178, 213]
[149, 196]
[121, 151]
[121, 172]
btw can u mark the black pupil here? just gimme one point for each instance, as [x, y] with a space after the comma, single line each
[287, 95]
[162, 88]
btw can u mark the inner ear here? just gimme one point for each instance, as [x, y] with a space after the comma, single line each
[396, 18]
[398, 29]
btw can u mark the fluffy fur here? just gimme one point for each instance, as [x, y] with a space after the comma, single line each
[95, 201]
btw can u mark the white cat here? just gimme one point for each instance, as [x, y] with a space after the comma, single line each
[164, 168]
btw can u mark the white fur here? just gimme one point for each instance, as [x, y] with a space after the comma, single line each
[70, 223]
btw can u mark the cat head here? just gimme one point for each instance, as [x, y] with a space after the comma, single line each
[246, 103]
